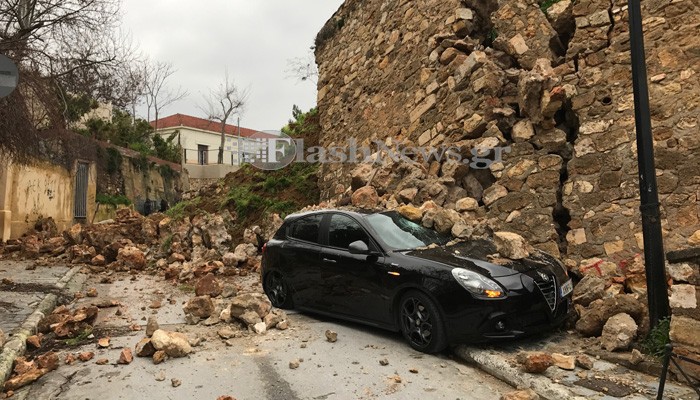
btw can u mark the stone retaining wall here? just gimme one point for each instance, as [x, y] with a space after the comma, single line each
[554, 86]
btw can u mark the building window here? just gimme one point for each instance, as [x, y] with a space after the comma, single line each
[202, 154]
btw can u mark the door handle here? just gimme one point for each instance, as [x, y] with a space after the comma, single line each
[328, 260]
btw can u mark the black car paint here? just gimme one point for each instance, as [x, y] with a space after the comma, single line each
[367, 288]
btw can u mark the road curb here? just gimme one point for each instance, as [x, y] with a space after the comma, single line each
[496, 365]
[17, 345]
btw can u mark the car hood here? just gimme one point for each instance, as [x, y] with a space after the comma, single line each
[473, 255]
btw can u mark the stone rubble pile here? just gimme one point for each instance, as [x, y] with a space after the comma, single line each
[213, 305]
[27, 371]
[183, 250]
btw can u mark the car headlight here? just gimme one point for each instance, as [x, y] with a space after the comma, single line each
[477, 284]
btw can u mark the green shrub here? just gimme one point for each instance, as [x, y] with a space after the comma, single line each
[114, 160]
[545, 4]
[655, 343]
[113, 200]
[179, 210]
[167, 244]
[83, 336]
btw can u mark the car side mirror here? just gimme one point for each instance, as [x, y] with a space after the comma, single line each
[358, 247]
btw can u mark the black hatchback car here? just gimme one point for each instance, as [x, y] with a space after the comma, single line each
[384, 270]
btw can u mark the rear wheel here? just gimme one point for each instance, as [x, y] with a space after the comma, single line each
[277, 290]
[421, 323]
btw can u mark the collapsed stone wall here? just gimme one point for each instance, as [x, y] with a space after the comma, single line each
[553, 85]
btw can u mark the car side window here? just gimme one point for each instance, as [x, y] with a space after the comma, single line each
[344, 230]
[306, 228]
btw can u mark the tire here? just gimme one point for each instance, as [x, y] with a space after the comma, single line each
[421, 323]
[277, 290]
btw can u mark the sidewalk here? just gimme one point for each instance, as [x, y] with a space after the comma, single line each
[605, 380]
[27, 293]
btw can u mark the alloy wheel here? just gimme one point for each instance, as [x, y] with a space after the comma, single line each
[417, 322]
[276, 289]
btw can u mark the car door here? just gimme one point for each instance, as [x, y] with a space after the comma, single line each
[352, 283]
[301, 254]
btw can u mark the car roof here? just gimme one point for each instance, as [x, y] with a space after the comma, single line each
[353, 213]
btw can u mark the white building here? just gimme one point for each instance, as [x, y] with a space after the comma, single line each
[200, 139]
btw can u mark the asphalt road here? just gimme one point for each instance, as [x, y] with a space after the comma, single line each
[254, 366]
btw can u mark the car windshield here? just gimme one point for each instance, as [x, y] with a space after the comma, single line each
[400, 233]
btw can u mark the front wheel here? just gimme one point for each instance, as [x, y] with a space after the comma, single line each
[277, 291]
[421, 323]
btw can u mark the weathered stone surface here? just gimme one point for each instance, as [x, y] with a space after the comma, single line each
[132, 257]
[583, 361]
[174, 344]
[151, 325]
[98, 260]
[684, 330]
[255, 302]
[126, 356]
[694, 239]
[331, 336]
[159, 356]
[365, 197]
[250, 317]
[444, 220]
[536, 362]
[683, 296]
[598, 312]
[494, 193]
[589, 289]
[619, 332]
[200, 306]
[680, 272]
[523, 131]
[466, 204]
[563, 361]
[511, 245]
[207, 286]
[144, 348]
[412, 213]
[226, 333]
[259, 328]
[525, 394]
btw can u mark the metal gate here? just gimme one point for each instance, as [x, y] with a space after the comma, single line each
[81, 186]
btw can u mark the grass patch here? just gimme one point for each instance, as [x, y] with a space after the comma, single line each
[83, 336]
[167, 244]
[260, 197]
[180, 210]
[655, 343]
[113, 200]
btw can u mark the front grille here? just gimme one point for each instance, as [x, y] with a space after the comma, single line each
[549, 291]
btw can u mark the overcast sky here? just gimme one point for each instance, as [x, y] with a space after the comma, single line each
[253, 39]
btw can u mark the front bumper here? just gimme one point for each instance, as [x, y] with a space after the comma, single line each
[524, 312]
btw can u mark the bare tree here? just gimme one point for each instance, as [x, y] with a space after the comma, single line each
[223, 102]
[303, 68]
[158, 94]
[76, 43]
[60, 47]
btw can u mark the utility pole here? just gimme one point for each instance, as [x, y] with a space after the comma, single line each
[654, 258]
[239, 142]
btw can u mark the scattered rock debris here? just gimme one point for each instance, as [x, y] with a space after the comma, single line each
[331, 336]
